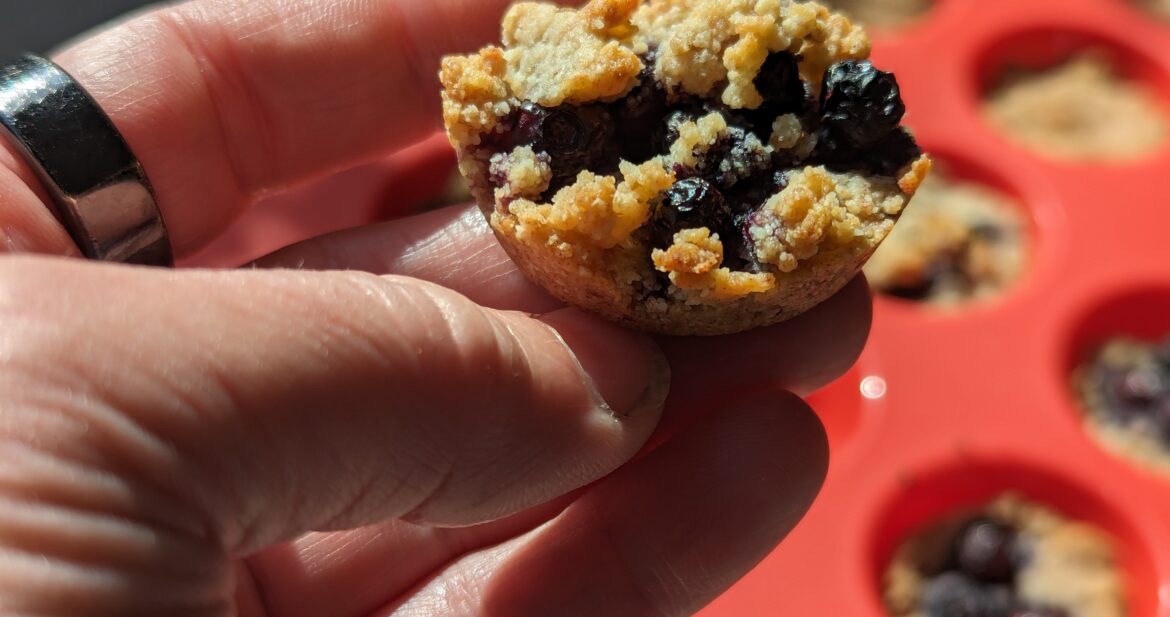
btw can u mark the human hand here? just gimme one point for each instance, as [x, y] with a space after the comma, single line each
[408, 436]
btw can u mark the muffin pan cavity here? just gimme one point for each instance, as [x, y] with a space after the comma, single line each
[1118, 368]
[1074, 96]
[967, 237]
[1007, 539]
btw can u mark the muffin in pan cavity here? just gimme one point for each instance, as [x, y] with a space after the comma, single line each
[961, 242]
[1080, 110]
[1011, 558]
[683, 166]
[882, 13]
[1124, 389]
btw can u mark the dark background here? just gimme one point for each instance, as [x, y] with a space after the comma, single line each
[39, 25]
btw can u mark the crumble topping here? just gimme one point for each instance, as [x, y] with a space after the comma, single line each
[521, 173]
[695, 251]
[595, 208]
[703, 45]
[693, 261]
[787, 133]
[558, 55]
[475, 95]
[818, 208]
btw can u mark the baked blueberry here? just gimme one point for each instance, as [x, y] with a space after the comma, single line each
[860, 103]
[638, 117]
[953, 594]
[737, 156]
[691, 203]
[780, 84]
[985, 550]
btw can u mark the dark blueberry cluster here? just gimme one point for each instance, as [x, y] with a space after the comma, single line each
[690, 203]
[784, 92]
[780, 84]
[574, 137]
[855, 119]
[860, 103]
[638, 117]
[860, 109]
[978, 578]
[856, 122]
[1136, 391]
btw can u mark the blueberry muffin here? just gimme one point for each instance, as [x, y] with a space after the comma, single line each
[1080, 110]
[683, 166]
[1012, 558]
[882, 13]
[961, 242]
[1125, 391]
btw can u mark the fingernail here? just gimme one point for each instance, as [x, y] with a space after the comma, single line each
[627, 369]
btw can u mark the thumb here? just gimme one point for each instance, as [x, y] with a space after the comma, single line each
[247, 407]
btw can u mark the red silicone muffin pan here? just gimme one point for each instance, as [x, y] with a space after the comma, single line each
[946, 410]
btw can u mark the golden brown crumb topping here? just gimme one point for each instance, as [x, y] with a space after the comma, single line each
[693, 261]
[556, 55]
[596, 210]
[704, 44]
[821, 209]
[475, 95]
[560, 55]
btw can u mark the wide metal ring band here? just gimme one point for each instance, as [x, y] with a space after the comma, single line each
[98, 187]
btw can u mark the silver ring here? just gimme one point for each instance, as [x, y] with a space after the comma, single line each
[99, 190]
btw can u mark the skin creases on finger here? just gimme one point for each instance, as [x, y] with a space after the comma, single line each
[663, 536]
[283, 402]
[355, 572]
[454, 247]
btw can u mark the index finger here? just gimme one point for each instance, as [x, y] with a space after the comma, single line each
[224, 100]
